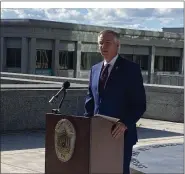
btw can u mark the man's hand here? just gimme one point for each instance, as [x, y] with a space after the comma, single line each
[118, 130]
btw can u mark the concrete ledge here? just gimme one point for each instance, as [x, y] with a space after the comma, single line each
[41, 86]
[18, 78]
[43, 78]
[164, 88]
[24, 106]
[88, 28]
[10, 80]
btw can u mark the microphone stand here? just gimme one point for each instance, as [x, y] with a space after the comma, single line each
[53, 99]
[57, 111]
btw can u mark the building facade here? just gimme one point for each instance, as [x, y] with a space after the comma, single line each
[174, 30]
[64, 49]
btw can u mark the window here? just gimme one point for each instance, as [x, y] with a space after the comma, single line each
[157, 62]
[127, 56]
[43, 59]
[88, 59]
[66, 59]
[142, 60]
[13, 58]
[171, 63]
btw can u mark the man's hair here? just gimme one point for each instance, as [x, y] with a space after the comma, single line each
[115, 34]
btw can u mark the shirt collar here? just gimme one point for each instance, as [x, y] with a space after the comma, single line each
[112, 61]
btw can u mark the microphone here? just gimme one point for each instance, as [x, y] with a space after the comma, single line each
[65, 86]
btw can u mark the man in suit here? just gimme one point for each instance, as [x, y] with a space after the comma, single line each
[116, 90]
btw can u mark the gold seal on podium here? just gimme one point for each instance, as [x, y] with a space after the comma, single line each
[65, 137]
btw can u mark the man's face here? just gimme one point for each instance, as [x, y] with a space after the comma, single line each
[108, 45]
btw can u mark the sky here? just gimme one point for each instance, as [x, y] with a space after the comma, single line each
[133, 18]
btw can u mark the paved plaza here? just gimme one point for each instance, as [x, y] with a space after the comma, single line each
[160, 148]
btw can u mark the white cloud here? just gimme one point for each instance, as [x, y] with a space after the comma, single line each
[165, 21]
[59, 14]
[121, 13]
[163, 10]
[145, 19]
[20, 13]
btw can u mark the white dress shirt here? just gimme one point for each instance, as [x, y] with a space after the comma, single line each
[111, 64]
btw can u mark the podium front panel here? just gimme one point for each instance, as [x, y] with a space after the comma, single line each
[106, 155]
[79, 162]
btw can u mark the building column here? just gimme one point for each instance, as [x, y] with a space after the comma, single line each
[24, 56]
[32, 56]
[151, 65]
[55, 57]
[134, 58]
[181, 67]
[2, 54]
[160, 65]
[78, 51]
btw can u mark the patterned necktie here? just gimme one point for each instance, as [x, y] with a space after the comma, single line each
[103, 77]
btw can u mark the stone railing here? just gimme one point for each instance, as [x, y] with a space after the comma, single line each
[39, 78]
[19, 78]
[24, 106]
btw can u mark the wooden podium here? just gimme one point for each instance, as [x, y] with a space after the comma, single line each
[92, 148]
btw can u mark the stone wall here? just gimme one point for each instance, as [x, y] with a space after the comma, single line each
[24, 108]
[166, 79]
[165, 103]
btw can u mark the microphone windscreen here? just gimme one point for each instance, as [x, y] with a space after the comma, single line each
[66, 85]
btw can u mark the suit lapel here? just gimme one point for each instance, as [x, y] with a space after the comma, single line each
[114, 71]
[97, 75]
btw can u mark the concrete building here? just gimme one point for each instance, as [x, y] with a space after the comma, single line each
[174, 30]
[64, 49]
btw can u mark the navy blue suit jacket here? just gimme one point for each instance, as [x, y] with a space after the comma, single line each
[124, 95]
